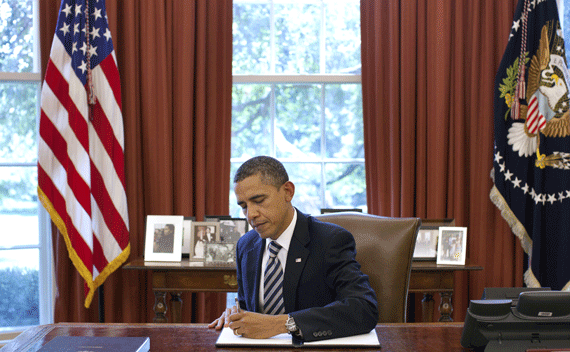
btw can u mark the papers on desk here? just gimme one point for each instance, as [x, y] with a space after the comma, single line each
[228, 339]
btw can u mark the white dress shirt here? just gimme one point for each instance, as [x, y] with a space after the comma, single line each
[284, 241]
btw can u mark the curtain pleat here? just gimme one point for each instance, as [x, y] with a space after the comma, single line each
[174, 58]
[428, 69]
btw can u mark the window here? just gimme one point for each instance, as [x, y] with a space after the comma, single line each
[25, 250]
[297, 96]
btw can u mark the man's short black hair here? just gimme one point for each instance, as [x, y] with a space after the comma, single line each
[271, 170]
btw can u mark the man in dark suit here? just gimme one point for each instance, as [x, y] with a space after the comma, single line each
[325, 295]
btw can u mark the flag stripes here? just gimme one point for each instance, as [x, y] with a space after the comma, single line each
[81, 175]
[535, 120]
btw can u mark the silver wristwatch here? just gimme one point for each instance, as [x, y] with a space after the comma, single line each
[290, 325]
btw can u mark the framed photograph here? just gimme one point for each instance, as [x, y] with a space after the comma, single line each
[163, 241]
[451, 245]
[232, 229]
[186, 234]
[426, 241]
[221, 253]
[202, 233]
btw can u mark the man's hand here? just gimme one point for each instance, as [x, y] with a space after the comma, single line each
[257, 326]
[224, 320]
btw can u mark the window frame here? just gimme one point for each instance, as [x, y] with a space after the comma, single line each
[320, 78]
[46, 280]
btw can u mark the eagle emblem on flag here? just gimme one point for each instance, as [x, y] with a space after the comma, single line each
[547, 111]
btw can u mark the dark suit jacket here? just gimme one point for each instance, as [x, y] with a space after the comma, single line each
[324, 289]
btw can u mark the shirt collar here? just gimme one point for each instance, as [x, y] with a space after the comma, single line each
[284, 239]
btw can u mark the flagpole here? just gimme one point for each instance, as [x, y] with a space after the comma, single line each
[101, 303]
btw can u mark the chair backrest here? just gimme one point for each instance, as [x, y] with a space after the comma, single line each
[384, 249]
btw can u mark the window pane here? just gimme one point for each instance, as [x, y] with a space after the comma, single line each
[298, 119]
[344, 124]
[18, 190]
[19, 229]
[343, 37]
[307, 180]
[251, 51]
[18, 111]
[345, 186]
[19, 287]
[297, 28]
[251, 122]
[16, 36]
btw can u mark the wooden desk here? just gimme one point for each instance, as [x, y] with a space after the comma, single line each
[175, 277]
[418, 337]
[428, 278]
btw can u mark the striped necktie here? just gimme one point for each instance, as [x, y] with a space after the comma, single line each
[273, 284]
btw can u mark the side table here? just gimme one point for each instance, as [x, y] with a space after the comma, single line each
[427, 277]
[176, 277]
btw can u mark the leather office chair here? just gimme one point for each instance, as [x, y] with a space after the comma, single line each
[384, 249]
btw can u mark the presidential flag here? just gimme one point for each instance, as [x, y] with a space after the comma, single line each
[531, 168]
[81, 178]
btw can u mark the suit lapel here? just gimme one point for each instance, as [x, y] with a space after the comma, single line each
[296, 259]
[253, 260]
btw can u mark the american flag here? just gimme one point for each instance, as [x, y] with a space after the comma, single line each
[81, 178]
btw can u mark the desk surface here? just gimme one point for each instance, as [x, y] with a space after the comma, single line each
[418, 337]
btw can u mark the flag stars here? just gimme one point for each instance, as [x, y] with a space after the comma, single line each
[75, 28]
[537, 197]
[97, 14]
[67, 10]
[77, 9]
[552, 198]
[532, 193]
[83, 66]
[73, 47]
[516, 25]
[95, 33]
[517, 182]
[93, 51]
[65, 29]
[498, 157]
[107, 34]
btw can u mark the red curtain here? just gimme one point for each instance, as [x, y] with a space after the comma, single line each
[175, 61]
[428, 69]
[427, 74]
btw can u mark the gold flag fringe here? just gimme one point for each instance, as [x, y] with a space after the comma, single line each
[76, 260]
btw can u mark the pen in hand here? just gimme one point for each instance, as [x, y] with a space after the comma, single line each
[237, 306]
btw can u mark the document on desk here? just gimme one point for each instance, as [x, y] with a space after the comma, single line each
[228, 339]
